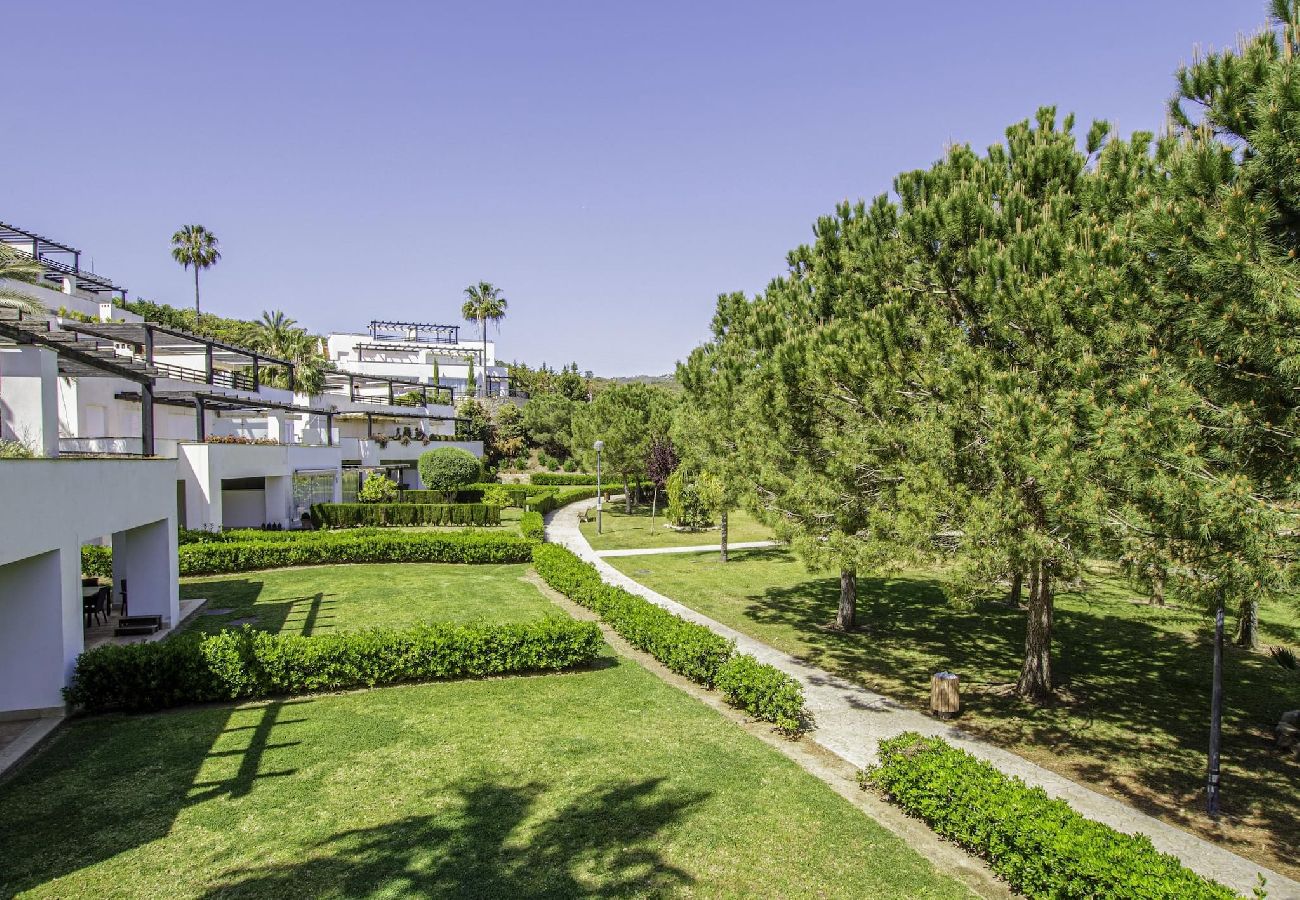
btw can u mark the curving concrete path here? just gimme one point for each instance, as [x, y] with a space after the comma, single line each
[850, 720]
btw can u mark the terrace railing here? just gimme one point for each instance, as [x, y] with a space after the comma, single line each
[220, 377]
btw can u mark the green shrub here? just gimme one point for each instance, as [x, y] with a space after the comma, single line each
[355, 515]
[248, 664]
[377, 488]
[97, 562]
[1041, 846]
[314, 548]
[532, 526]
[693, 500]
[449, 469]
[684, 647]
[556, 478]
[763, 691]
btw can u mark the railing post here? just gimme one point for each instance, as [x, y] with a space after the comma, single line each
[146, 418]
[329, 429]
[256, 376]
[207, 362]
[200, 420]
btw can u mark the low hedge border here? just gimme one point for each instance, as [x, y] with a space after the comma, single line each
[248, 664]
[532, 526]
[568, 478]
[317, 548]
[363, 515]
[1040, 846]
[685, 647]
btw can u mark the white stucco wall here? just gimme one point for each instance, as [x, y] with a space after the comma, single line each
[50, 508]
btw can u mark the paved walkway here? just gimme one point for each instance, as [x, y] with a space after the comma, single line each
[851, 720]
[706, 548]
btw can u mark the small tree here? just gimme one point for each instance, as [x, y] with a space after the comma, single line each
[377, 488]
[660, 463]
[693, 500]
[448, 469]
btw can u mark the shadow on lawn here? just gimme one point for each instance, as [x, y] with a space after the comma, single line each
[289, 615]
[602, 844]
[1134, 713]
[130, 785]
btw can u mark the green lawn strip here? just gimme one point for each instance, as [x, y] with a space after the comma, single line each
[623, 532]
[1135, 680]
[322, 599]
[606, 782]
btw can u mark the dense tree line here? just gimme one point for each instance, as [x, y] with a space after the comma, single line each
[1065, 346]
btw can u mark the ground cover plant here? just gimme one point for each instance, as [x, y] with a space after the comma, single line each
[621, 531]
[686, 648]
[1041, 846]
[601, 782]
[1131, 717]
[248, 664]
[325, 599]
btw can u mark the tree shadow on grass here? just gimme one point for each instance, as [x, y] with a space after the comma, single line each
[1133, 714]
[602, 844]
[306, 615]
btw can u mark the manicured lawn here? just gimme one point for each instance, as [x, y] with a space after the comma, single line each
[1133, 721]
[624, 532]
[321, 599]
[603, 783]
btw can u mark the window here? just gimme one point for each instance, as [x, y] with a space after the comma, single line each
[312, 487]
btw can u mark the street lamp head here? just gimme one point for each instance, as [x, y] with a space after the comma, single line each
[598, 446]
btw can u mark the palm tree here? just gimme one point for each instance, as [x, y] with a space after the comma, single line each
[276, 330]
[483, 302]
[195, 246]
[19, 266]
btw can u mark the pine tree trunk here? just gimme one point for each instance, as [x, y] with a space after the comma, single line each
[1158, 589]
[722, 528]
[1036, 674]
[1017, 589]
[627, 496]
[1248, 628]
[847, 616]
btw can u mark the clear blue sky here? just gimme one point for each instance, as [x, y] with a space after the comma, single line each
[612, 166]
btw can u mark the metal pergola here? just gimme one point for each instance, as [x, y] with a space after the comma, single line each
[351, 383]
[205, 402]
[370, 418]
[415, 332]
[82, 357]
[42, 248]
[222, 363]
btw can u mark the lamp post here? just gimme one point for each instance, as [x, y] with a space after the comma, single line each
[598, 446]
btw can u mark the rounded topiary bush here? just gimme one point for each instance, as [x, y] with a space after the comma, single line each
[449, 469]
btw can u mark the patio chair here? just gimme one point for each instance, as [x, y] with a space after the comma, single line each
[123, 598]
[97, 605]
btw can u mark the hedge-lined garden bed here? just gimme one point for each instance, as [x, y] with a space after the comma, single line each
[1041, 846]
[249, 664]
[363, 515]
[314, 548]
[684, 647]
[569, 478]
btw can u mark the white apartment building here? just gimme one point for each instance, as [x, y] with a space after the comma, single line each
[250, 451]
[435, 355]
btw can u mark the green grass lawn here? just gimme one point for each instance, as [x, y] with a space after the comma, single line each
[1133, 720]
[322, 599]
[602, 783]
[624, 532]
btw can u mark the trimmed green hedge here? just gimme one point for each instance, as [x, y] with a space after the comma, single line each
[532, 527]
[248, 664]
[314, 548]
[684, 647]
[563, 478]
[1041, 846]
[470, 494]
[360, 515]
[281, 549]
